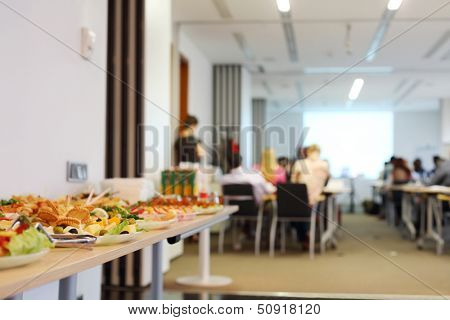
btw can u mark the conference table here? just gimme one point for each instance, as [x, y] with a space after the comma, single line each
[63, 264]
[429, 217]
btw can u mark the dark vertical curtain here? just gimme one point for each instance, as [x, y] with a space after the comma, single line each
[227, 84]
[259, 119]
[125, 113]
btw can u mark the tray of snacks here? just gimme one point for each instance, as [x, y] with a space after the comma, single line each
[21, 243]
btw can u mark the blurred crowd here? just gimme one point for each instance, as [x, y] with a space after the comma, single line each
[398, 171]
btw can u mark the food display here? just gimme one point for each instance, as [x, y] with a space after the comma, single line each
[165, 208]
[110, 219]
[21, 245]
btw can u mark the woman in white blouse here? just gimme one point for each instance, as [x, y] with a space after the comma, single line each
[311, 171]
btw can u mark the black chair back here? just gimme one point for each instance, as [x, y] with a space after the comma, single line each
[292, 201]
[241, 195]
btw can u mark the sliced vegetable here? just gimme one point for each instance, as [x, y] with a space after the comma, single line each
[30, 241]
[118, 229]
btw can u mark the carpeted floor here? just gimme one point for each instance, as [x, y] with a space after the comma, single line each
[391, 267]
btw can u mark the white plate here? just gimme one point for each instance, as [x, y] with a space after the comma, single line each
[108, 240]
[211, 210]
[187, 216]
[16, 261]
[148, 225]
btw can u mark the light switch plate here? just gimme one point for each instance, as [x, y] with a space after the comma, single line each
[77, 172]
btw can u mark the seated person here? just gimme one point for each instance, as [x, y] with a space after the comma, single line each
[286, 164]
[270, 169]
[442, 175]
[311, 171]
[239, 175]
[419, 174]
[401, 174]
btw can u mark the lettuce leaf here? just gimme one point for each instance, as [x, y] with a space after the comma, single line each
[29, 241]
[119, 228]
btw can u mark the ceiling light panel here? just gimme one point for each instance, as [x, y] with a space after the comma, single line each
[380, 33]
[394, 4]
[439, 44]
[283, 5]
[289, 36]
[356, 89]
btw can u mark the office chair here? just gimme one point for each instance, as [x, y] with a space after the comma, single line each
[249, 210]
[292, 205]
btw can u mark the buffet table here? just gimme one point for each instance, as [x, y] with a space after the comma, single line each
[64, 264]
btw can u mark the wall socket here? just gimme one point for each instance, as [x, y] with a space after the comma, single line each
[77, 172]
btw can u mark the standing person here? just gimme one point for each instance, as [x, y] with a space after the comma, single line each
[270, 169]
[188, 147]
[313, 172]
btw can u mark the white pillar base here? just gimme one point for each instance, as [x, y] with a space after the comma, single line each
[211, 281]
[204, 279]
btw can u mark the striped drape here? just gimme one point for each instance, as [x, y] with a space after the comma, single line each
[227, 86]
[124, 88]
[259, 119]
[124, 138]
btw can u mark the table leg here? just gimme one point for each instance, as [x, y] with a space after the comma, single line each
[407, 214]
[430, 233]
[328, 234]
[204, 279]
[68, 288]
[156, 292]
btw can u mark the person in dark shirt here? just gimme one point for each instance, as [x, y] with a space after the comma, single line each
[187, 146]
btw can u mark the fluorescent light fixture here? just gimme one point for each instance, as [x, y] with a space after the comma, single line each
[394, 4]
[381, 31]
[283, 5]
[356, 89]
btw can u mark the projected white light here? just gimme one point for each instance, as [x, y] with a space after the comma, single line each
[356, 89]
[394, 4]
[284, 5]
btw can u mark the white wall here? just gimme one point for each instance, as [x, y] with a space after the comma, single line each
[283, 131]
[200, 84]
[445, 127]
[157, 84]
[53, 101]
[417, 134]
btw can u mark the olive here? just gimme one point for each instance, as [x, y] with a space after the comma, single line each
[58, 230]
[102, 232]
[98, 220]
[73, 231]
[124, 232]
